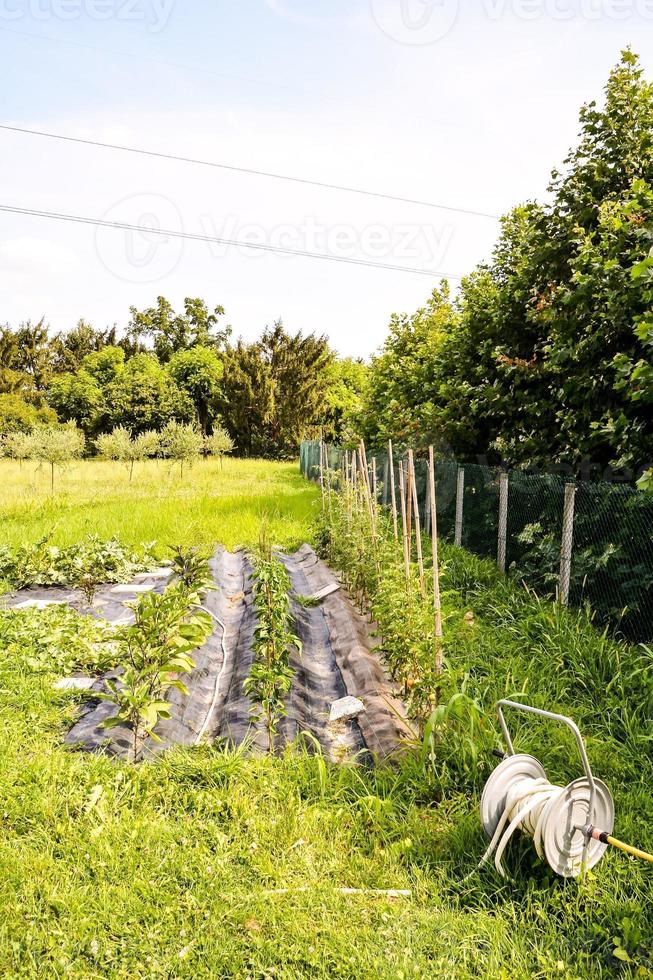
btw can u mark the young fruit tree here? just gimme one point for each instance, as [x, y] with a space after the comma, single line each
[181, 443]
[219, 443]
[56, 445]
[17, 445]
[122, 447]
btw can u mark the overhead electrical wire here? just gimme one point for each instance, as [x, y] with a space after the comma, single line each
[215, 240]
[251, 171]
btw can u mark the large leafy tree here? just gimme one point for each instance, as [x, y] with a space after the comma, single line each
[247, 398]
[143, 396]
[546, 356]
[69, 349]
[299, 367]
[77, 398]
[169, 332]
[198, 371]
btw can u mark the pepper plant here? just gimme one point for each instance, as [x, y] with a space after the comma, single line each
[270, 678]
[156, 649]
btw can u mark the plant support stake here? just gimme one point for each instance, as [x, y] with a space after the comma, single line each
[402, 494]
[393, 495]
[418, 529]
[503, 521]
[567, 543]
[460, 498]
[437, 604]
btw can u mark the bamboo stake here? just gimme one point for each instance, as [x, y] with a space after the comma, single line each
[374, 487]
[402, 494]
[321, 473]
[418, 529]
[393, 494]
[328, 478]
[437, 605]
[409, 511]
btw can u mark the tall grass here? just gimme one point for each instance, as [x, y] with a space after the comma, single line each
[213, 502]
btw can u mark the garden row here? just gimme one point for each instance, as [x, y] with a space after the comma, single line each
[255, 647]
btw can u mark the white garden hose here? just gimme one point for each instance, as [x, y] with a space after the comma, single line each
[518, 797]
[218, 680]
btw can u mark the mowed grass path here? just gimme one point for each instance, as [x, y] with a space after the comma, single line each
[211, 502]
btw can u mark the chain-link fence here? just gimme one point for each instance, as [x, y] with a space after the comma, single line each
[605, 558]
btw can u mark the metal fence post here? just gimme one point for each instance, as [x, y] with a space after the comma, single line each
[460, 499]
[503, 521]
[567, 543]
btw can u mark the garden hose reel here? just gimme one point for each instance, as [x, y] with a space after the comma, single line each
[561, 820]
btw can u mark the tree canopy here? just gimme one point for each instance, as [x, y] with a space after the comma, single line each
[545, 356]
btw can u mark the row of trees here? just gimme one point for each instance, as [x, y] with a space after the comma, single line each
[182, 368]
[58, 445]
[546, 355]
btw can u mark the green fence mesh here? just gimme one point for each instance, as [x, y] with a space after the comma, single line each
[611, 567]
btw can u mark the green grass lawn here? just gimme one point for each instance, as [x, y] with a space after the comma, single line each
[170, 869]
[212, 502]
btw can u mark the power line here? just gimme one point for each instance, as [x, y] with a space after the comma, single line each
[244, 170]
[190, 236]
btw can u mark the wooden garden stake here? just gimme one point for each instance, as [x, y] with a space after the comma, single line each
[418, 529]
[460, 502]
[374, 487]
[503, 522]
[567, 543]
[402, 494]
[321, 472]
[437, 606]
[393, 495]
[409, 511]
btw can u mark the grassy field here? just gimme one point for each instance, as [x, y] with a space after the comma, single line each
[174, 869]
[212, 502]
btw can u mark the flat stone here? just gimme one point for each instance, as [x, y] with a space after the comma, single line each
[158, 573]
[40, 603]
[346, 708]
[325, 592]
[75, 684]
[132, 589]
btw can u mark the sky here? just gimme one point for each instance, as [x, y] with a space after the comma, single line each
[453, 102]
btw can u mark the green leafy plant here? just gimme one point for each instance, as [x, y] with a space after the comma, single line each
[81, 565]
[270, 678]
[151, 654]
[191, 568]
[55, 640]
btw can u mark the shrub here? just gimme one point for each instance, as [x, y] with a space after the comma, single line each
[54, 640]
[17, 415]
